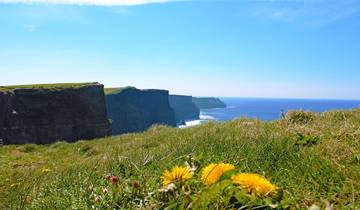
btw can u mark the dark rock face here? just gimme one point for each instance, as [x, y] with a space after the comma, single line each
[42, 116]
[134, 110]
[184, 108]
[208, 103]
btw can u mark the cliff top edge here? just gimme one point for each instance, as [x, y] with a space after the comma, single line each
[117, 90]
[54, 86]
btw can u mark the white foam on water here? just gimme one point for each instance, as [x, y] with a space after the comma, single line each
[193, 123]
[203, 119]
[206, 117]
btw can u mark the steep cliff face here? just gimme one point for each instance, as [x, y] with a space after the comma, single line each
[184, 108]
[208, 103]
[133, 110]
[43, 115]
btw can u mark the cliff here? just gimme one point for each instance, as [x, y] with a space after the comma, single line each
[133, 110]
[208, 103]
[42, 114]
[184, 108]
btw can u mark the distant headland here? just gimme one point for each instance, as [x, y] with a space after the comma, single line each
[45, 113]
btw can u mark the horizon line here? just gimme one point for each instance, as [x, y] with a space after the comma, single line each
[282, 98]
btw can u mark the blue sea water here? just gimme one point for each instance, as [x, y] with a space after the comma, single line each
[271, 109]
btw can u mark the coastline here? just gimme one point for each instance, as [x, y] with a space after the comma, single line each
[203, 119]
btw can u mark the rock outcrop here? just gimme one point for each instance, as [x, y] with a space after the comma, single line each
[208, 103]
[42, 115]
[184, 108]
[134, 110]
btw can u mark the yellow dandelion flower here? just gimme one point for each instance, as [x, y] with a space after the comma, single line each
[255, 184]
[212, 173]
[176, 174]
[45, 170]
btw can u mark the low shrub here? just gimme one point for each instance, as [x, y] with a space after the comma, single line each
[300, 117]
[306, 140]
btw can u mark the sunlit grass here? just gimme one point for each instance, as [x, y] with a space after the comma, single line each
[313, 162]
[45, 86]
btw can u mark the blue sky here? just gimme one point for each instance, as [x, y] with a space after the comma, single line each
[265, 48]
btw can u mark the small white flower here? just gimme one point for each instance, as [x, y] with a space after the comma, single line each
[192, 169]
[167, 188]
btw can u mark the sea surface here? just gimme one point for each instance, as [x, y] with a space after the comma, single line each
[269, 109]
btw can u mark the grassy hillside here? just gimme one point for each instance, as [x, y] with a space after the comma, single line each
[208, 102]
[45, 86]
[313, 159]
[109, 91]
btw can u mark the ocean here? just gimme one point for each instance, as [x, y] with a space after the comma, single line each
[268, 109]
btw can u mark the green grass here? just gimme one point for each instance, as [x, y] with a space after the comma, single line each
[117, 90]
[313, 161]
[44, 86]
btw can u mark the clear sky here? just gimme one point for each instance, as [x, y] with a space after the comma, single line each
[265, 48]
